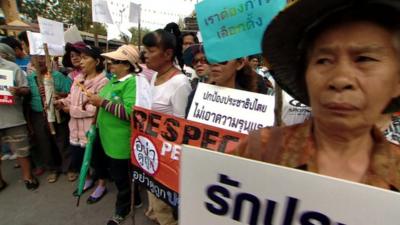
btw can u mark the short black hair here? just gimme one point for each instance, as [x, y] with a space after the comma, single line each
[250, 57]
[23, 36]
[195, 38]
[12, 42]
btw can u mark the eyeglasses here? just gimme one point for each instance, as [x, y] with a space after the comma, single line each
[202, 60]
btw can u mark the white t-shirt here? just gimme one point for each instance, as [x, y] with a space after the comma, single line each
[171, 97]
[143, 92]
[293, 112]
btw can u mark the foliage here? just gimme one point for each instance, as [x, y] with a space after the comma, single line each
[135, 35]
[76, 12]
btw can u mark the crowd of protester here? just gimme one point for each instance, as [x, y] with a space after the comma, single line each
[99, 88]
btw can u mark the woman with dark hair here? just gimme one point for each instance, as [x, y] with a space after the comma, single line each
[170, 89]
[72, 58]
[115, 102]
[90, 78]
[234, 74]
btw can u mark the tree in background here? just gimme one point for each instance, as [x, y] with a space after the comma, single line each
[78, 12]
[135, 35]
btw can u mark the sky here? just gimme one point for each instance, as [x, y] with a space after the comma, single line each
[157, 13]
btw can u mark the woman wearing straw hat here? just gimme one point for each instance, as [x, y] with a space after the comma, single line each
[343, 59]
[116, 100]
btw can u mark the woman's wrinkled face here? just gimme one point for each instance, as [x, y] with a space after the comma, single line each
[352, 74]
[88, 64]
[75, 59]
[224, 73]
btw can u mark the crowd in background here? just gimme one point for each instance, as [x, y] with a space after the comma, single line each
[99, 88]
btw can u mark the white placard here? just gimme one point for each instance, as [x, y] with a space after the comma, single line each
[100, 12]
[36, 45]
[6, 81]
[231, 109]
[72, 35]
[134, 14]
[214, 184]
[52, 31]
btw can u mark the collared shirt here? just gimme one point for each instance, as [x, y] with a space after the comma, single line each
[295, 147]
[11, 115]
[111, 128]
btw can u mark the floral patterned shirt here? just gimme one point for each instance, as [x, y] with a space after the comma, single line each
[294, 146]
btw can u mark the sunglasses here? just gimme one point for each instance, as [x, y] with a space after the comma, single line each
[116, 62]
[202, 60]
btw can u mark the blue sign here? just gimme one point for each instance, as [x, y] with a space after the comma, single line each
[233, 29]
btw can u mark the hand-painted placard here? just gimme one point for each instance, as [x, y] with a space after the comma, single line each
[224, 189]
[52, 31]
[156, 148]
[6, 81]
[234, 29]
[231, 109]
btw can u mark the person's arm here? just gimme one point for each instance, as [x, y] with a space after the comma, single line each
[21, 84]
[121, 110]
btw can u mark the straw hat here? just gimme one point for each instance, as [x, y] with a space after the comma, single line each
[124, 53]
[281, 44]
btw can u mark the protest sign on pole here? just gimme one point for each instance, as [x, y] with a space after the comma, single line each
[135, 10]
[52, 31]
[6, 81]
[231, 109]
[241, 23]
[100, 12]
[36, 45]
[156, 146]
[72, 35]
[219, 189]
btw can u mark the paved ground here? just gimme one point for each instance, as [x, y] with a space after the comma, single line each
[53, 204]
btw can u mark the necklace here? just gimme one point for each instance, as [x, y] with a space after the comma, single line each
[162, 74]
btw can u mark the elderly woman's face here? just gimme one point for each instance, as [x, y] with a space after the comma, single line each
[353, 72]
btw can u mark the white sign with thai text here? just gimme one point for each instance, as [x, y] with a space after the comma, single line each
[231, 109]
[52, 31]
[219, 189]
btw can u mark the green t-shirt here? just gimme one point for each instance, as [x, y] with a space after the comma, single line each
[115, 133]
[62, 84]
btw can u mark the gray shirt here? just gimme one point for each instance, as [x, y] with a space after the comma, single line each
[11, 115]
